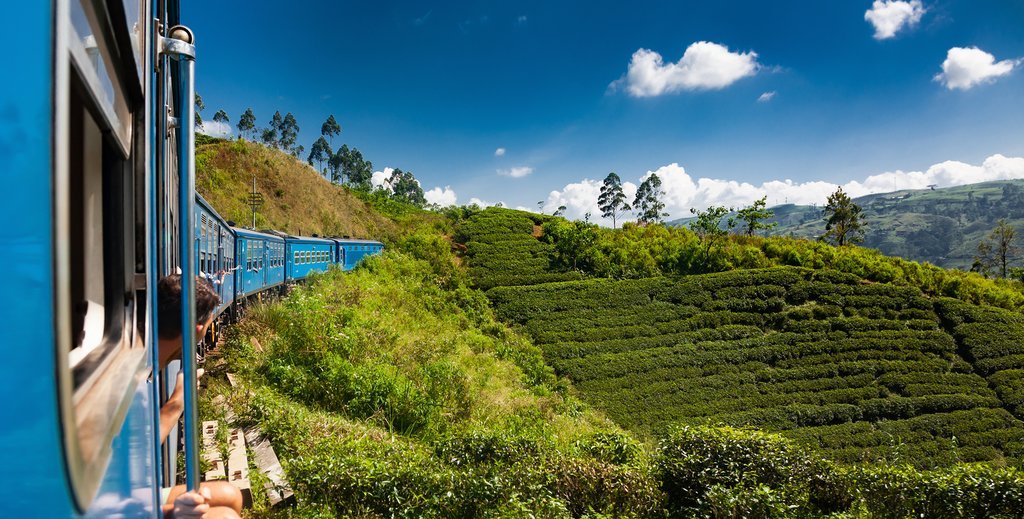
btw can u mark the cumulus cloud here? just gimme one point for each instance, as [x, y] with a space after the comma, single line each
[580, 198]
[382, 179]
[765, 97]
[682, 191]
[966, 68]
[484, 203]
[890, 16]
[500, 152]
[442, 197]
[516, 172]
[704, 66]
[216, 129]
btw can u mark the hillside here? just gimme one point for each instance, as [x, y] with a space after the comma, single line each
[394, 390]
[296, 199]
[857, 369]
[941, 226]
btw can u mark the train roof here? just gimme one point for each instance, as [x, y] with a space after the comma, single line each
[205, 205]
[308, 239]
[357, 240]
[255, 234]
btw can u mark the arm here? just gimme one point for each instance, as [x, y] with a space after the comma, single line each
[172, 409]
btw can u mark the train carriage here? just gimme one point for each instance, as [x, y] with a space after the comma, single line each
[351, 251]
[215, 252]
[307, 255]
[260, 259]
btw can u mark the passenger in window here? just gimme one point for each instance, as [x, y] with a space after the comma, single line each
[217, 279]
[215, 499]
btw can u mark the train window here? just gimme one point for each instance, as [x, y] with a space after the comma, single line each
[97, 182]
[91, 54]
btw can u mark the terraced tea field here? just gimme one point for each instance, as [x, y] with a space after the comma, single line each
[861, 371]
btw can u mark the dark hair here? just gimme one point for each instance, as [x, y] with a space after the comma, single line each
[168, 293]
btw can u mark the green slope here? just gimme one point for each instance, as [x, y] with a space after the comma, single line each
[941, 226]
[857, 369]
[296, 199]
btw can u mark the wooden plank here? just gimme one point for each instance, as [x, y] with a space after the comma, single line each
[277, 489]
[238, 464]
[211, 453]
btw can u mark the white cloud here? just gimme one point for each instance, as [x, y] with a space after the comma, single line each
[484, 203]
[704, 66]
[216, 129]
[580, 198]
[966, 68]
[382, 179]
[890, 16]
[500, 152]
[682, 192]
[765, 97]
[516, 172]
[442, 197]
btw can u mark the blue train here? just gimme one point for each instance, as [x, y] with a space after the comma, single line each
[97, 152]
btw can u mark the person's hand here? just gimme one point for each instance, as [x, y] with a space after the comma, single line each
[179, 385]
[192, 504]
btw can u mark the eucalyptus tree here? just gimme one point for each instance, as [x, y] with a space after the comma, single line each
[648, 204]
[612, 201]
[247, 123]
[330, 128]
[320, 153]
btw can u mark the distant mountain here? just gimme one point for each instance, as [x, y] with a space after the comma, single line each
[940, 226]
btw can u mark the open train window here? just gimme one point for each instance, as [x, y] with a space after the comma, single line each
[99, 176]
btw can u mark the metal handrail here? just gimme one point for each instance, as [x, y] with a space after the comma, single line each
[179, 45]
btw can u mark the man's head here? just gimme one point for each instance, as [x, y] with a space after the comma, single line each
[169, 312]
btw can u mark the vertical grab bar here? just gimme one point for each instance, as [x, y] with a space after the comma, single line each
[179, 45]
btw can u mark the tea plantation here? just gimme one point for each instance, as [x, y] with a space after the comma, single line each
[860, 371]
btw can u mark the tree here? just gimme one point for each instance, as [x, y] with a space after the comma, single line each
[221, 117]
[997, 250]
[753, 216]
[573, 241]
[648, 204]
[330, 128]
[268, 137]
[358, 170]
[247, 123]
[843, 223]
[200, 106]
[405, 186]
[271, 135]
[560, 211]
[612, 200]
[336, 162]
[289, 132]
[320, 153]
[708, 227]
[984, 261]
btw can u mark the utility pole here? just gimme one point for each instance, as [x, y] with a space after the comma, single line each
[255, 201]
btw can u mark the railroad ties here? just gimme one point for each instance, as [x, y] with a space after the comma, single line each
[236, 469]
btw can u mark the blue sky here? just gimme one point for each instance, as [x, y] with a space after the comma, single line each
[739, 97]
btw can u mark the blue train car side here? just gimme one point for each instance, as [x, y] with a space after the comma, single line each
[260, 258]
[98, 107]
[305, 256]
[215, 253]
[352, 251]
